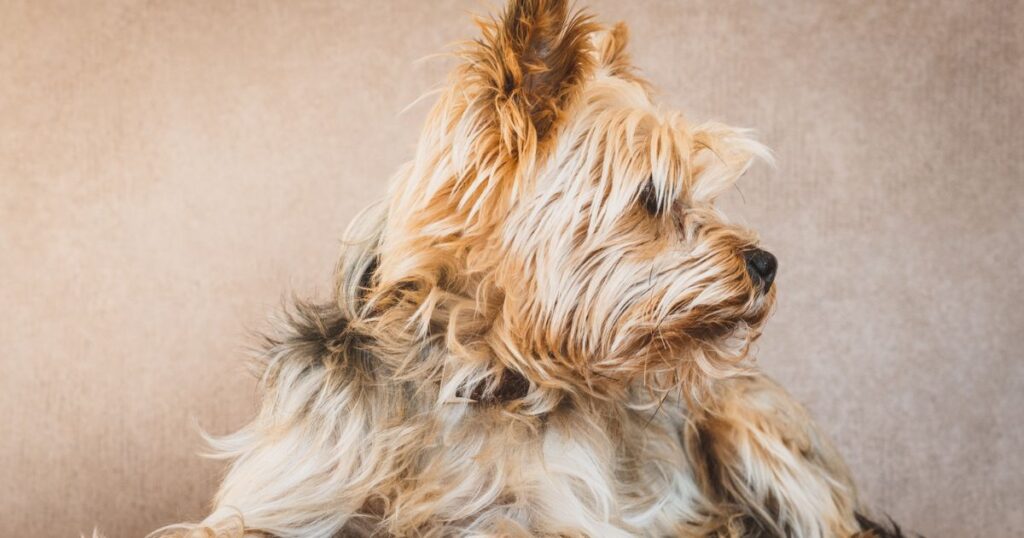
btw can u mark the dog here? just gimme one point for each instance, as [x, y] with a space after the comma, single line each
[543, 331]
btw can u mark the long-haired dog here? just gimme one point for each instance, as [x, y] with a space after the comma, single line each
[542, 331]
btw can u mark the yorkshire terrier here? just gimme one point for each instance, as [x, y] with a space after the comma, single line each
[541, 332]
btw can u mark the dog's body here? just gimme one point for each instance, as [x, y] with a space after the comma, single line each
[340, 451]
[541, 334]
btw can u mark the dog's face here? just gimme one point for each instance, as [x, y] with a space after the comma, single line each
[616, 259]
[580, 213]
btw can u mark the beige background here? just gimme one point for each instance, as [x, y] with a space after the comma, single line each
[169, 170]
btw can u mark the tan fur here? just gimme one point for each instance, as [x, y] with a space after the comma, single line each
[541, 333]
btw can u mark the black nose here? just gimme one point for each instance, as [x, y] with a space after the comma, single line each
[761, 265]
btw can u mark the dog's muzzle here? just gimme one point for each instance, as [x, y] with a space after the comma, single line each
[761, 265]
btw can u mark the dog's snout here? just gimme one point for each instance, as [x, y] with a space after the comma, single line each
[762, 266]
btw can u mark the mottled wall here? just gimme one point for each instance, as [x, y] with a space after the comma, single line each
[169, 170]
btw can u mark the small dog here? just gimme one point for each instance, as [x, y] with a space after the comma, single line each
[542, 332]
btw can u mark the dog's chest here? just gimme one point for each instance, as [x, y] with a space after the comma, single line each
[575, 473]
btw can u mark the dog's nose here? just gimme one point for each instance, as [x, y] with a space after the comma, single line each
[761, 265]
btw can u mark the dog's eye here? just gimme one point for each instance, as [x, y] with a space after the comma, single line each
[649, 198]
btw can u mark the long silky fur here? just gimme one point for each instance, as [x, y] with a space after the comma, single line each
[541, 331]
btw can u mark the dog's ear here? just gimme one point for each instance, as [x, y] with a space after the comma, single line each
[530, 64]
[611, 51]
[719, 156]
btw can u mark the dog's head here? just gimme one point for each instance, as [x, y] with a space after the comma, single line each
[557, 223]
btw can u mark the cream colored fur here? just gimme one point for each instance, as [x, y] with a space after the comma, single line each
[541, 333]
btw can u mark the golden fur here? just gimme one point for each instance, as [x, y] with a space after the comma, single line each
[541, 333]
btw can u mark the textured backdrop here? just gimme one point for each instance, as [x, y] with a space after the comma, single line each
[170, 170]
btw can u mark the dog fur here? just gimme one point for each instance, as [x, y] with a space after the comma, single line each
[542, 332]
